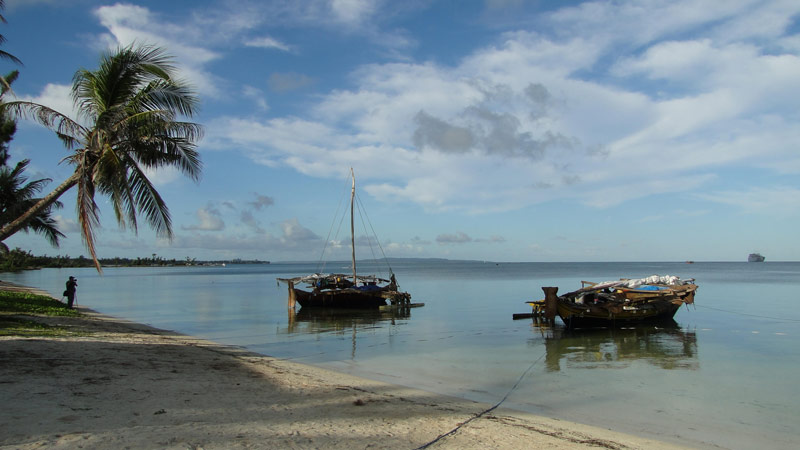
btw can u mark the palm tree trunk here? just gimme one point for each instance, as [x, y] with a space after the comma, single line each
[14, 226]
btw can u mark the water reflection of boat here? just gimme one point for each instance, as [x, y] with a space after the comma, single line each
[339, 321]
[667, 347]
[324, 320]
[620, 303]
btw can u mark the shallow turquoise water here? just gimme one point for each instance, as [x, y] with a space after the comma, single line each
[723, 377]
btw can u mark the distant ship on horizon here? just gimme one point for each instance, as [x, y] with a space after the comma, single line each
[755, 257]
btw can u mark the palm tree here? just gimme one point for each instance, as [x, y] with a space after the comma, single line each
[3, 54]
[131, 105]
[16, 197]
[7, 126]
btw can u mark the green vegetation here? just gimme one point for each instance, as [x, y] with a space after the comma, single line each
[18, 259]
[26, 303]
[130, 112]
[17, 194]
[14, 306]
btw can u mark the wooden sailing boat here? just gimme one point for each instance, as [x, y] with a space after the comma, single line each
[337, 290]
[618, 303]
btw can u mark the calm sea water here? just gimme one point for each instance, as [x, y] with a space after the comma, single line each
[724, 376]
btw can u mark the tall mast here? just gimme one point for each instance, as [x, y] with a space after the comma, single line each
[352, 227]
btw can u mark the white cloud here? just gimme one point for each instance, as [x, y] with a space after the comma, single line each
[294, 238]
[656, 90]
[127, 24]
[458, 238]
[257, 96]
[209, 219]
[294, 232]
[352, 12]
[163, 175]
[66, 224]
[57, 97]
[249, 220]
[261, 202]
[266, 42]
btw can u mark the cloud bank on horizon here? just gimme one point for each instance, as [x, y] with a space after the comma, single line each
[506, 109]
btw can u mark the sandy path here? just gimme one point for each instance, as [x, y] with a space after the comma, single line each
[126, 385]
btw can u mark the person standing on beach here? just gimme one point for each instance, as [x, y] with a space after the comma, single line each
[72, 283]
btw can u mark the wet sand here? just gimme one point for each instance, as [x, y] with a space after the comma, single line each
[120, 384]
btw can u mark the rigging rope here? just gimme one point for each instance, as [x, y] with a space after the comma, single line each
[781, 319]
[486, 411]
[377, 241]
[361, 213]
[321, 263]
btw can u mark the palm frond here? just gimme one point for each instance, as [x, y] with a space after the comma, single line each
[9, 57]
[50, 118]
[111, 179]
[168, 95]
[131, 103]
[159, 144]
[5, 84]
[17, 196]
[85, 94]
[44, 224]
[88, 213]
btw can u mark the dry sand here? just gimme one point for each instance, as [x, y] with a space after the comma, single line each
[125, 385]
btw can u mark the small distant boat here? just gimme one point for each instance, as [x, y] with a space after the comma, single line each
[616, 303]
[337, 290]
[755, 257]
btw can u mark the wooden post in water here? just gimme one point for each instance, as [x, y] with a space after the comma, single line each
[292, 297]
[550, 304]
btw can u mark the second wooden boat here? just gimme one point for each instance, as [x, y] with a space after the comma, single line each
[619, 303]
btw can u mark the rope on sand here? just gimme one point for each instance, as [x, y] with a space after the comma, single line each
[486, 411]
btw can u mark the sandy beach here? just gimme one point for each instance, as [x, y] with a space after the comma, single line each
[118, 384]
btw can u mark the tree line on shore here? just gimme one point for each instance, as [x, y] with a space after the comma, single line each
[19, 259]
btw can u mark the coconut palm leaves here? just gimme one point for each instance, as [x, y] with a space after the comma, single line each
[128, 125]
[17, 195]
[5, 55]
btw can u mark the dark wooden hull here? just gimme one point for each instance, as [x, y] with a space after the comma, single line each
[582, 316]
[346, 298]
[617, 306]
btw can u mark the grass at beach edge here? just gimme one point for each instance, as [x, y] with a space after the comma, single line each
[19, 312]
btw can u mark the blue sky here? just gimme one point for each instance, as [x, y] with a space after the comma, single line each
[503, 130]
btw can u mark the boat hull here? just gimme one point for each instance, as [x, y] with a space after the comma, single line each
[581, 316]
[349, 299]
[604, 307]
